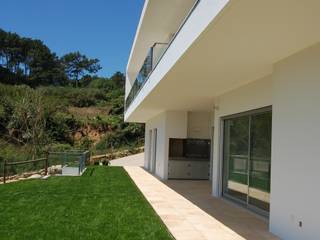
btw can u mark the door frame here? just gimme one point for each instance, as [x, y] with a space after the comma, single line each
[221, 158]
[211, 153]
[149, 160]
[154, 150]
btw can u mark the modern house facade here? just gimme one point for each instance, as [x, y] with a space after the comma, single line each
[229, 91]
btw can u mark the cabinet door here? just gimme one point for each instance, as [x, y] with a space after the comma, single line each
[200, 170]
[179, 169]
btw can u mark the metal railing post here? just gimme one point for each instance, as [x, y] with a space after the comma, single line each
[46, 165]
[4, 171]
[80, 162]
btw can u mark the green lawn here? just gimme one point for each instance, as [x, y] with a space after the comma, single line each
[102, 204]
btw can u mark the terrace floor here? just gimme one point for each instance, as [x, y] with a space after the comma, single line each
[190, 212]
[133, 160]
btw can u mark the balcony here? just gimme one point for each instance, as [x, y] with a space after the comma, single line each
[153, 57]
[151, 61]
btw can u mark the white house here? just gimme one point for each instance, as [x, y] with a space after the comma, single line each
[230, 90]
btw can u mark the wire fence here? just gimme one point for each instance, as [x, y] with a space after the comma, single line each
[66, 163]
[23, 167]
[76, 159]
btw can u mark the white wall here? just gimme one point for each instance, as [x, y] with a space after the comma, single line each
[295, 177]
[176, 127]
[199, 125]
[249, 97]
[169, 125]
[293, 90]
[158, 122]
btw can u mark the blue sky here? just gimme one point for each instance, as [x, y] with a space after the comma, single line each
[102, 29]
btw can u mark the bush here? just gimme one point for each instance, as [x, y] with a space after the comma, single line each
[62, 122]
[12, 152]
[86, 143]
[61, 126]
[60, 147]
[110, 141]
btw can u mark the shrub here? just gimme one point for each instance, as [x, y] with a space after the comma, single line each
[110, 141]
[86, 143]
[60, 147]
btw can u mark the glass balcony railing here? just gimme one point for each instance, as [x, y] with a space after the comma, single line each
[151, 61]
[154, 56]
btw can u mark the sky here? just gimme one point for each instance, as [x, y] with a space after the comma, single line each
[102, 29]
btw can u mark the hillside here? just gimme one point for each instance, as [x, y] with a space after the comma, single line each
[58, 103]
[90, 117]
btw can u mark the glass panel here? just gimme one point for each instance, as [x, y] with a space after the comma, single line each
[143, 74]
[158, 51]
[153, 57]
[260, 160]
[236, 147]
[145, 69]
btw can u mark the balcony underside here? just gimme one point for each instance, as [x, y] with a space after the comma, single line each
[154, 27]
[239, 46]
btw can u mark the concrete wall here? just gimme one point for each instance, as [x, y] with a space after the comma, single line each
[295, 178]
[252, 96]
[199, 125]
[168, 125]
[293, 90]
[176, 127]
[158, 122]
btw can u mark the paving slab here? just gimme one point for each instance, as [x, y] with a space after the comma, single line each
[133, 160]
[190, 212]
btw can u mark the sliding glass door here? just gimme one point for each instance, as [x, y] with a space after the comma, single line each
[236, 145]
[247, 158]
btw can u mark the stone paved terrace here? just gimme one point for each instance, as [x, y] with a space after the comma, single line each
[191, 213]
[133, 160]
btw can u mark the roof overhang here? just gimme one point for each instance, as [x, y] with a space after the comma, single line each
[158, 23]
[240, 45]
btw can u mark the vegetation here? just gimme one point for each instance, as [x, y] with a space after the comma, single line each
[51, 103]
[28, 61]
[76, 65]
[102, 204]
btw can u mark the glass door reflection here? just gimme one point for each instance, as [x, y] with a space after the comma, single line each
[247, 159]
[236, 157]
[260, 160]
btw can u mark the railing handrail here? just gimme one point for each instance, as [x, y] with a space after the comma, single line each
[6, 164]
[69, 153]
[178, 31]
[161, 56]
[24, 162]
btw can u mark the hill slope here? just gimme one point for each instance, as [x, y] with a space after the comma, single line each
[89, 117]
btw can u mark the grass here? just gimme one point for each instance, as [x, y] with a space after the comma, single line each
[102, 204]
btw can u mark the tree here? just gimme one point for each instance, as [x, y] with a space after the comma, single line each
[44, 67]
[119, 79]
[77, 65]
[28, 61]
[27, 125]
[10, 51]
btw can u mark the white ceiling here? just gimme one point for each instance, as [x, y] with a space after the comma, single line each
[160, 19]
